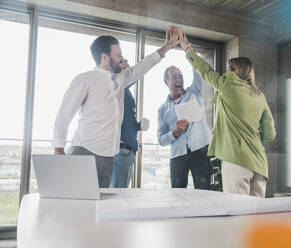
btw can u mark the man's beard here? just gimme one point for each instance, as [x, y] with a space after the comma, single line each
[115, 66]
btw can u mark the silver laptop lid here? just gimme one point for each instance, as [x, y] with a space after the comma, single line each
[64, 176]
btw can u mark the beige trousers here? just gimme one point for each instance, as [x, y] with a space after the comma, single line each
[239, 180]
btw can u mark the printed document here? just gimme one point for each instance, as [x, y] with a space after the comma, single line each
[176, 203]
[189, 110]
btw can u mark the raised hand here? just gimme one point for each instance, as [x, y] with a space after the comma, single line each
[184, 43]
[172, 36]
[171, 40]
[168, 32]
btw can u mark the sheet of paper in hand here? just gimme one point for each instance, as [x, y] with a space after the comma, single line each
[189, 110]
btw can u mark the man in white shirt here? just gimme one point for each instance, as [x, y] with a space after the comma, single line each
[99, 96]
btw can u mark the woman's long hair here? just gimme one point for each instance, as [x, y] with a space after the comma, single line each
[243, 67]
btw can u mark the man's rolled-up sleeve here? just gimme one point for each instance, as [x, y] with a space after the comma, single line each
[165, 135]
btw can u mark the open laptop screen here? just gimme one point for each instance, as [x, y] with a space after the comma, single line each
[64, 176]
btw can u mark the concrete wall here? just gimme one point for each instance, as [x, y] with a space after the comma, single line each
[183, 13]
[264, 57]
[231, 49]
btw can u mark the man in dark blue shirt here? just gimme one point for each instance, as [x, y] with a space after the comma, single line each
[124, 160]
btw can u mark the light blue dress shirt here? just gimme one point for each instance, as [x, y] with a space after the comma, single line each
[197, 134]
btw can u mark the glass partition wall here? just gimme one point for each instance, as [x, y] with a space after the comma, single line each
[41, 52]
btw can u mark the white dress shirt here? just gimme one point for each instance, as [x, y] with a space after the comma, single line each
[99, 97]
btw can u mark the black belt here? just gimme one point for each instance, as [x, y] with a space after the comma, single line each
[124, 146]
[203, 149]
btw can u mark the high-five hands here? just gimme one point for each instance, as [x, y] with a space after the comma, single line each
[171, 40]
[174, 37]
[184, 43]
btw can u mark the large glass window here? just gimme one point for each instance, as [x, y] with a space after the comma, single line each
[155, 158]
[13, 63]
[63, 52]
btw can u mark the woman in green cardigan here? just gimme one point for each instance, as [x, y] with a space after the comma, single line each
[243, 122]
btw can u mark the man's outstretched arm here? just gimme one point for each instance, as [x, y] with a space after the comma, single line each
[134, 73]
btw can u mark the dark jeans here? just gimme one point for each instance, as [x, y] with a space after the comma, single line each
[104, 165]
[196, 161]
[122, 168]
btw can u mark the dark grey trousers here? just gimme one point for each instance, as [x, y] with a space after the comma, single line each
[199, 164]
[104, 165]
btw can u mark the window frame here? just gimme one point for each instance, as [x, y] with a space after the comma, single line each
[35, 12]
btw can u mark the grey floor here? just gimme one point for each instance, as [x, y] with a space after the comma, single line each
[7, 243]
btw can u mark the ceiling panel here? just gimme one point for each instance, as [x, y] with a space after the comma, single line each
[268, 11]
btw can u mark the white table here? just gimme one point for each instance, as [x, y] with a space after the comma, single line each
[60, 223]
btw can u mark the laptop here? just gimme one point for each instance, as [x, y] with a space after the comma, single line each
[65, 176]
